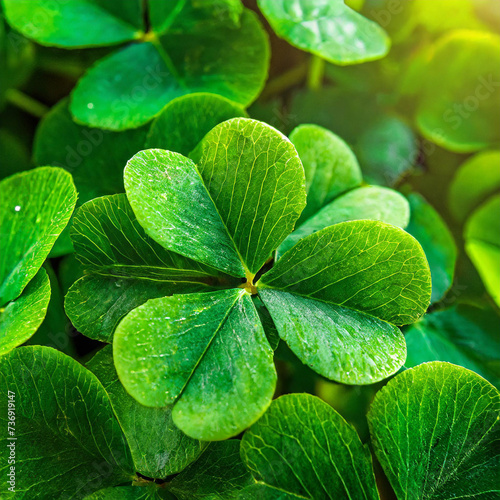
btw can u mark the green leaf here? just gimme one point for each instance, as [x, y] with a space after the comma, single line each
[427, 226]
[207, 353]
[183, 122]
[96, 304]
[148, 491]
[368, 266]
[158, 448]
[95, 157]
[189, 14]
[17, 59]
[459, 100]
[435, 431]
[35, 206]
[218, 474]
[257, 186]
[385, 146]
[237, 72]
[463, 335]
[330, 166]
[339, 343]
[20, 318]
[262, 491]
[482, 244]
[68, 440]
[125, 89]
[330, 30]
[126, 267]
[161, 187]
[109, 240]
[476, 179]
[337, 294]
[56, 329]
[66, 24]
[370, 202]
[131, 86]
[302, 448]
[387, 150]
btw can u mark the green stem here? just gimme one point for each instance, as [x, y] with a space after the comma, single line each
[286, 80]
[26, 103]
[62, 68]
[316, 72]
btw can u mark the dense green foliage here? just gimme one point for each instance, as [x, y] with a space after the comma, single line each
[226, 275]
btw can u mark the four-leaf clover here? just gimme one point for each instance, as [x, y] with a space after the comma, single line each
[211, 224]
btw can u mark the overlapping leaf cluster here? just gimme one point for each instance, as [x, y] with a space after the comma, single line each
[336, 297]
[226, 255]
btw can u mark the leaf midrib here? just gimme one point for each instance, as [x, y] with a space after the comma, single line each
[242, 262]
[217, 330]
[268, 287]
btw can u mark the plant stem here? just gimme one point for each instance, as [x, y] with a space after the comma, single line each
[286, 80]
[65, 69]
[316, 72]
[26, 103]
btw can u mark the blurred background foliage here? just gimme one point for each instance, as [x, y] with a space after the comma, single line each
[424, 120]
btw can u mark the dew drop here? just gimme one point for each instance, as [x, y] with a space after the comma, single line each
[90, 105]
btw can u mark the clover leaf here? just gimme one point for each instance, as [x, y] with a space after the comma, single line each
[333, 178]
[464, 335]
[457, 104]
[482, 244]
[148, 491]
[157, 447]
[214, 225]
[95, 157]
[329, 164]
[247, 200]
[302, 448]
[124, 267]
[207, 353]
[427, 226]
[180, 54]
[385, 146]
[368, 202]
[57, 405]
[332, 164]
[20, 318]
[219, 472]
[129, 87]
[430, 440]
[36, 204]
[330, 30]
[337, 295]
[64, 24]
[104, 435]
[184, 121]
[477, 178]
